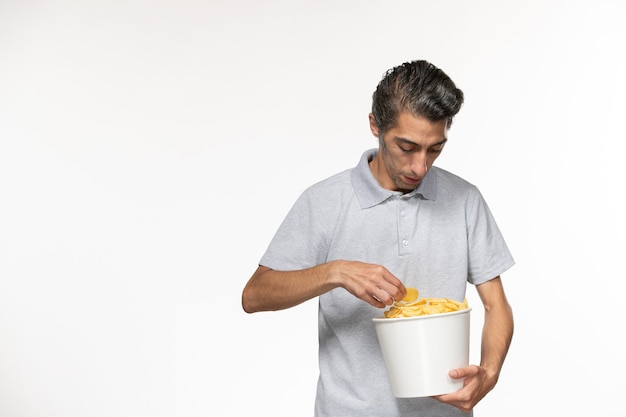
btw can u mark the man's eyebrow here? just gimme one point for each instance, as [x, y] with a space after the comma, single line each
[410, 142]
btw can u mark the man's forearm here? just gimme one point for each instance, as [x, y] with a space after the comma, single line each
[496, 337]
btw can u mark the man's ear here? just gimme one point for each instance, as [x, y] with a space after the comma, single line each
[373, 125]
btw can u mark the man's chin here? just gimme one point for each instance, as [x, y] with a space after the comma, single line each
[405, 188]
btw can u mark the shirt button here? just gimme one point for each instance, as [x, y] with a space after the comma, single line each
[405, 242]
[402, 213]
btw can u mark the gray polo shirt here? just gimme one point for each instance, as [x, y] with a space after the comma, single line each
[437, 239]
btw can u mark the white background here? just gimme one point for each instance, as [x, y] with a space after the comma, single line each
[150, 149]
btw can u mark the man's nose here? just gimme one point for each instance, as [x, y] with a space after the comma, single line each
[419, 164]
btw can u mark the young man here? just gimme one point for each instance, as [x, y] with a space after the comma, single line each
[357, 239]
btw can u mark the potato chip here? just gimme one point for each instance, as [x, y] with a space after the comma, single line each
[411, 295]
[410, 306]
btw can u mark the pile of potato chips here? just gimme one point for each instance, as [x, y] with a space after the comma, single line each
[410, 306]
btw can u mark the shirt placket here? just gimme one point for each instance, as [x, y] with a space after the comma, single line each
[407, 219]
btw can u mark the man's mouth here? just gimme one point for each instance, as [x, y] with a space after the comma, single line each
[412, 180]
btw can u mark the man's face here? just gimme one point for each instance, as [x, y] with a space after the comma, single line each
[407, 151]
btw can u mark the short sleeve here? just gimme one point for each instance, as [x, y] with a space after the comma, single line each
[301, 240]
[489, 255]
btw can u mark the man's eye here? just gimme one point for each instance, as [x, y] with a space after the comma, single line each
[436, 149]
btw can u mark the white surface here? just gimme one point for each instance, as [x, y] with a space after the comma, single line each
[420, 351]
[149, 150]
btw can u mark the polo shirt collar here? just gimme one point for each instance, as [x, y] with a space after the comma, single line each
[369, 193]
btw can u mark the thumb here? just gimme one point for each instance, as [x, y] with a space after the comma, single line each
[463, 372]
[455, 374]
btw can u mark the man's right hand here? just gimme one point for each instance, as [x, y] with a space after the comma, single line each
[372, 283]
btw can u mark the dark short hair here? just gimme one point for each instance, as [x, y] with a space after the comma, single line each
[418, 87]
